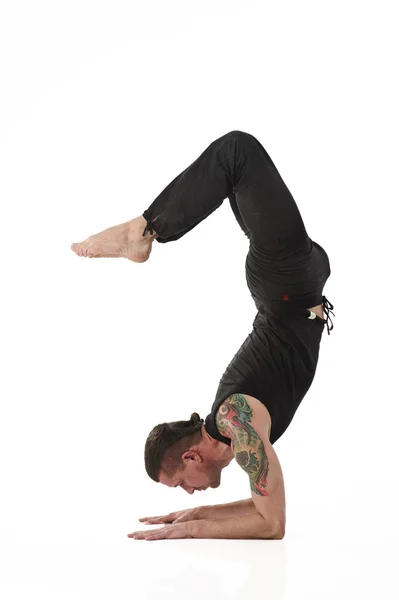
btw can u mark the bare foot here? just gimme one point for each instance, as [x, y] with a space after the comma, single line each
[125, 240]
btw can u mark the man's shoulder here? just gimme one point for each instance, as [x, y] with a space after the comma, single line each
[239, 408]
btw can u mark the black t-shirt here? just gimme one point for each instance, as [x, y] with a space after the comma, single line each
[276, 364]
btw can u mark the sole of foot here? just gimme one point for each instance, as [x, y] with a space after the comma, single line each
[121, 241]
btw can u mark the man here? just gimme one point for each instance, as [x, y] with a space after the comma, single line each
[270, 374]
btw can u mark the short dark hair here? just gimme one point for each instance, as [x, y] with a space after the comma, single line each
[167, 442]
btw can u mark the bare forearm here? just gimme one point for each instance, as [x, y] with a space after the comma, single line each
[248, 526]
[231, 509]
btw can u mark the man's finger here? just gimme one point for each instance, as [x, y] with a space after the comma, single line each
[153, 521]
[144, 534]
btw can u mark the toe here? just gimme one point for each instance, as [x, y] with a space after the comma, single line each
[89, 251]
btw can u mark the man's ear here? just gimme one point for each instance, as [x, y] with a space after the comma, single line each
[191, 455]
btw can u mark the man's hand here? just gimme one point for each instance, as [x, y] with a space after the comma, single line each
[180, 516]
[170, 532]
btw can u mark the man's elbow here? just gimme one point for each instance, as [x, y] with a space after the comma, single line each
[274, 532]
[280, 531]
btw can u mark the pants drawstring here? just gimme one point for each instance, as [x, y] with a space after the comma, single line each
[149, 228]
[327, 308]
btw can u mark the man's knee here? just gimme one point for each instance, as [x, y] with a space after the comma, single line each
[239, 135]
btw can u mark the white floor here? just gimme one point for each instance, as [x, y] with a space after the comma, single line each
[292, 569]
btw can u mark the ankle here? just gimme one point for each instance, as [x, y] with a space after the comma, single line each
[135, 229]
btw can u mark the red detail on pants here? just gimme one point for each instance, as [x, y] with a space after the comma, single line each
[285, 296]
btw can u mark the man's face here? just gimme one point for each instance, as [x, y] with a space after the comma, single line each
[197, 474]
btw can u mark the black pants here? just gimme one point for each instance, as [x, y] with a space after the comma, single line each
[285, 269]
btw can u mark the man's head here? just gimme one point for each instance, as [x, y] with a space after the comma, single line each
[183, 453]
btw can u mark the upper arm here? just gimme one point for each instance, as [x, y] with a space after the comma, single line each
[239, 419]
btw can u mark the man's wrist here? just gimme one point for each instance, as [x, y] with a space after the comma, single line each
[201, 512]
[193, 528]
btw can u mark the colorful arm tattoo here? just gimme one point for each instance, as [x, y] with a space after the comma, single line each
[234, 416]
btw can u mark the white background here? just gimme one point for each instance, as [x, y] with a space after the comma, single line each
[102, 104]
